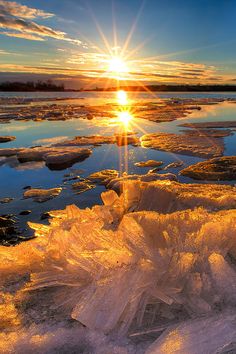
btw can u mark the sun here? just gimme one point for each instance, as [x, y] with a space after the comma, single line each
[117, 66]
[124, 117]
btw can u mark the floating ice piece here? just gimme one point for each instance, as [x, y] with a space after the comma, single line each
[149, 163]
[42, 195]
[55, 157]
[218, 169]
[194, 144]
[6, 138]
[9, 151]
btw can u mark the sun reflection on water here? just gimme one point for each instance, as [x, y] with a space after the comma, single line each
[125, 117]
[122, 97]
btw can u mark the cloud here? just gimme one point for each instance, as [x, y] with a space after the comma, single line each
[93, 64]
[16, 17]
[4, 52]
[18, 24]
[28, 36]
[93, 67]
[12, 8]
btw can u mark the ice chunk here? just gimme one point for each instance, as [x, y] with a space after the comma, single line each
[208, 335]
[154, 257]
[42, 195]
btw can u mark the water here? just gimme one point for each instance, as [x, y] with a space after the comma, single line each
[14, 177]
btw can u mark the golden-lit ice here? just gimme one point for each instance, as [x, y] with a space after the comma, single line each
[158, 255]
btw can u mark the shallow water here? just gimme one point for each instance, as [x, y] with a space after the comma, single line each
[14, 177]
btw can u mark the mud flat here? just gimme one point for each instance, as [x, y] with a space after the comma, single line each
[154, 263]
[218, 169]
[192, 143]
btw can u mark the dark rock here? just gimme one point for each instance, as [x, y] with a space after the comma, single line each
[6, 139]
[154, 170]
[25, 212]
[7, 226]
[5, 200]
[45, 216]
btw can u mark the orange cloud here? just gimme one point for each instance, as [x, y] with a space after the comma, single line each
[13, 8]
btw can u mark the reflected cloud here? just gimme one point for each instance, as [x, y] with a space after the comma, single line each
[13, 162]
[49, 141]
[15, 128]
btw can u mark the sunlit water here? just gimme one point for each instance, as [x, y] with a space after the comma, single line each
[14, 179]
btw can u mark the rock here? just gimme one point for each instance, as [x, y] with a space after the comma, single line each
[27, 187]
[149, 163]
[6, 139]
[42, 195]
[6, 200]
[45, 216]
[25, 212]
[104, 176]
[81, 187]
[7, 226]
[218, 169]
[185, 144]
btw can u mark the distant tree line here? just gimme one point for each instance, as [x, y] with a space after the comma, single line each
[31, 86]
[174, 88]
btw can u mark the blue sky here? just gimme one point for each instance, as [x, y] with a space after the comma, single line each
[171, 41]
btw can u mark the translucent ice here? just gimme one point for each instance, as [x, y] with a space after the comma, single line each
[157, 256]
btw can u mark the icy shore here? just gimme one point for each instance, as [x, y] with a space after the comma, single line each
[152, 270]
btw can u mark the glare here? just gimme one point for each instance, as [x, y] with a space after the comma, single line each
[117, 65]
[125, 117]
[122, 97]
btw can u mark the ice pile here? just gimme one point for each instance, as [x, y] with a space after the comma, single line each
[124, 270]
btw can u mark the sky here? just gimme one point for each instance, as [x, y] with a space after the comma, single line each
[89, 43]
